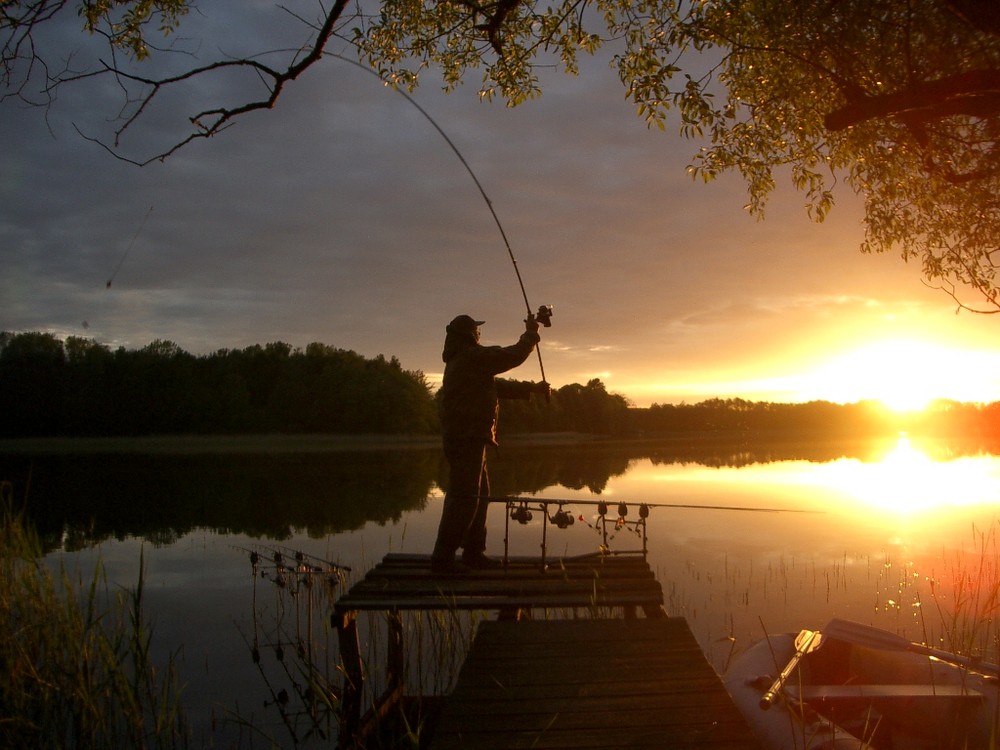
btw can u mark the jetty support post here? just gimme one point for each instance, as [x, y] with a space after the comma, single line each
[354, 676]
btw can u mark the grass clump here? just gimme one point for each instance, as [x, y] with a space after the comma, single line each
[75, 659]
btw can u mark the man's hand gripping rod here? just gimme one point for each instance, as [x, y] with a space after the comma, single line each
[543, 316]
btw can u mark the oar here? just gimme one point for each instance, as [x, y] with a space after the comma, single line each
[805, 642]
[876, 638]
[571, 501]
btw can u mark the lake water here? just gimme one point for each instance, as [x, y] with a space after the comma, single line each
[889, 533]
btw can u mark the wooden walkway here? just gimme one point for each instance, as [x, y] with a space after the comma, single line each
[589, 684]
[599, 682]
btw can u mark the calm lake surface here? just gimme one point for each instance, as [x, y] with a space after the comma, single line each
[890, 533]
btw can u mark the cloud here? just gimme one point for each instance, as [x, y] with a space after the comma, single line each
[343, 216]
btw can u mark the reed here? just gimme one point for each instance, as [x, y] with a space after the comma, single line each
[967, 600]
[292, 648]
[76, 658]
[304, 681]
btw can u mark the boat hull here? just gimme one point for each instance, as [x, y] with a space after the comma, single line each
[847, 696]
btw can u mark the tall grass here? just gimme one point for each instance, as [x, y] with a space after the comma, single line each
[75, 664]
[295, 648]
[967, 600]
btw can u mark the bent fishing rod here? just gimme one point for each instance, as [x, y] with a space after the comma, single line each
[544, 313]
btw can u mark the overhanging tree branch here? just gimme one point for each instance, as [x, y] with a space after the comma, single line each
[213, 121]
[975, 93]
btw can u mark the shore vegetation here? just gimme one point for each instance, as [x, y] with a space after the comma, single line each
[77, 387]
[76, 656]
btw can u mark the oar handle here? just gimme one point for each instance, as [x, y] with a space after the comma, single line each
[768, 699]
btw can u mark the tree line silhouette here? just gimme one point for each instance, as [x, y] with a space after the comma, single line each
[78, 387]
[759, 420]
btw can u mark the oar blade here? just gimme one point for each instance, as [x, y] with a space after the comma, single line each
[808, 641]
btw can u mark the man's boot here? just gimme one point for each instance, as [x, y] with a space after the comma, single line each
[455, 517]
[474, 543]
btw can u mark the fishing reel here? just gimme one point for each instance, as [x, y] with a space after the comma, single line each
[544, 315]
[562, 518]
[521, 514]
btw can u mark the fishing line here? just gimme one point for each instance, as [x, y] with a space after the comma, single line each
[482, 191]
[129, 248]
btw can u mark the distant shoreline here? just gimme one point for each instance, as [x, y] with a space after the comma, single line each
[302, 444]
[254, 444]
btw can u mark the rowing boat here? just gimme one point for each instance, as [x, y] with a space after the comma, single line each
[853, 687]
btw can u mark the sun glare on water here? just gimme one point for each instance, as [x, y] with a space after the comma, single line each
[903, 481]
[906, 480]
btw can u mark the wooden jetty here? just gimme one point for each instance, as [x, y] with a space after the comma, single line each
[606, 683]
[601, 682]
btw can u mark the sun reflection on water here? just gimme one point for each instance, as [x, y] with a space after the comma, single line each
[901, 495]
[903, 480]
[908, 481]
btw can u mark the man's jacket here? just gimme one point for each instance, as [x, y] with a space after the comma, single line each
[470, 392]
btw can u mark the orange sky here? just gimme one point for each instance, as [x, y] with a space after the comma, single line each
[342, 217]
[905, 374]
[812, 318]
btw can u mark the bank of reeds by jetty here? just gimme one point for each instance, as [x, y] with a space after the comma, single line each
[75, 656]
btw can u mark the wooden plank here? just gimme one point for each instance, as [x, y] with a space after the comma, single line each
[712, 736]
[591, 567]
[672, 631]
[513, 587]
[417, 578]
[609, 691]
[444, 598]
[589, 684]
[447, 599]
[498, 603]
[391, 598]
[612, 692]
[406, 582]
[532, 563]
[407, 558]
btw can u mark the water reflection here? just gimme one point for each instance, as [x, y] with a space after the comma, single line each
[899, 478]
[77, 500]
[907, 480]
[895, 524]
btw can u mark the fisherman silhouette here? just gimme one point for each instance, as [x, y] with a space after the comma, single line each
[470, 404]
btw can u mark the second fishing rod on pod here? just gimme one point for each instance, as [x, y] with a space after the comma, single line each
[544, 312]
[520, 509]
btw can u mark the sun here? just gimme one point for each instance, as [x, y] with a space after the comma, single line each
[906, 375]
